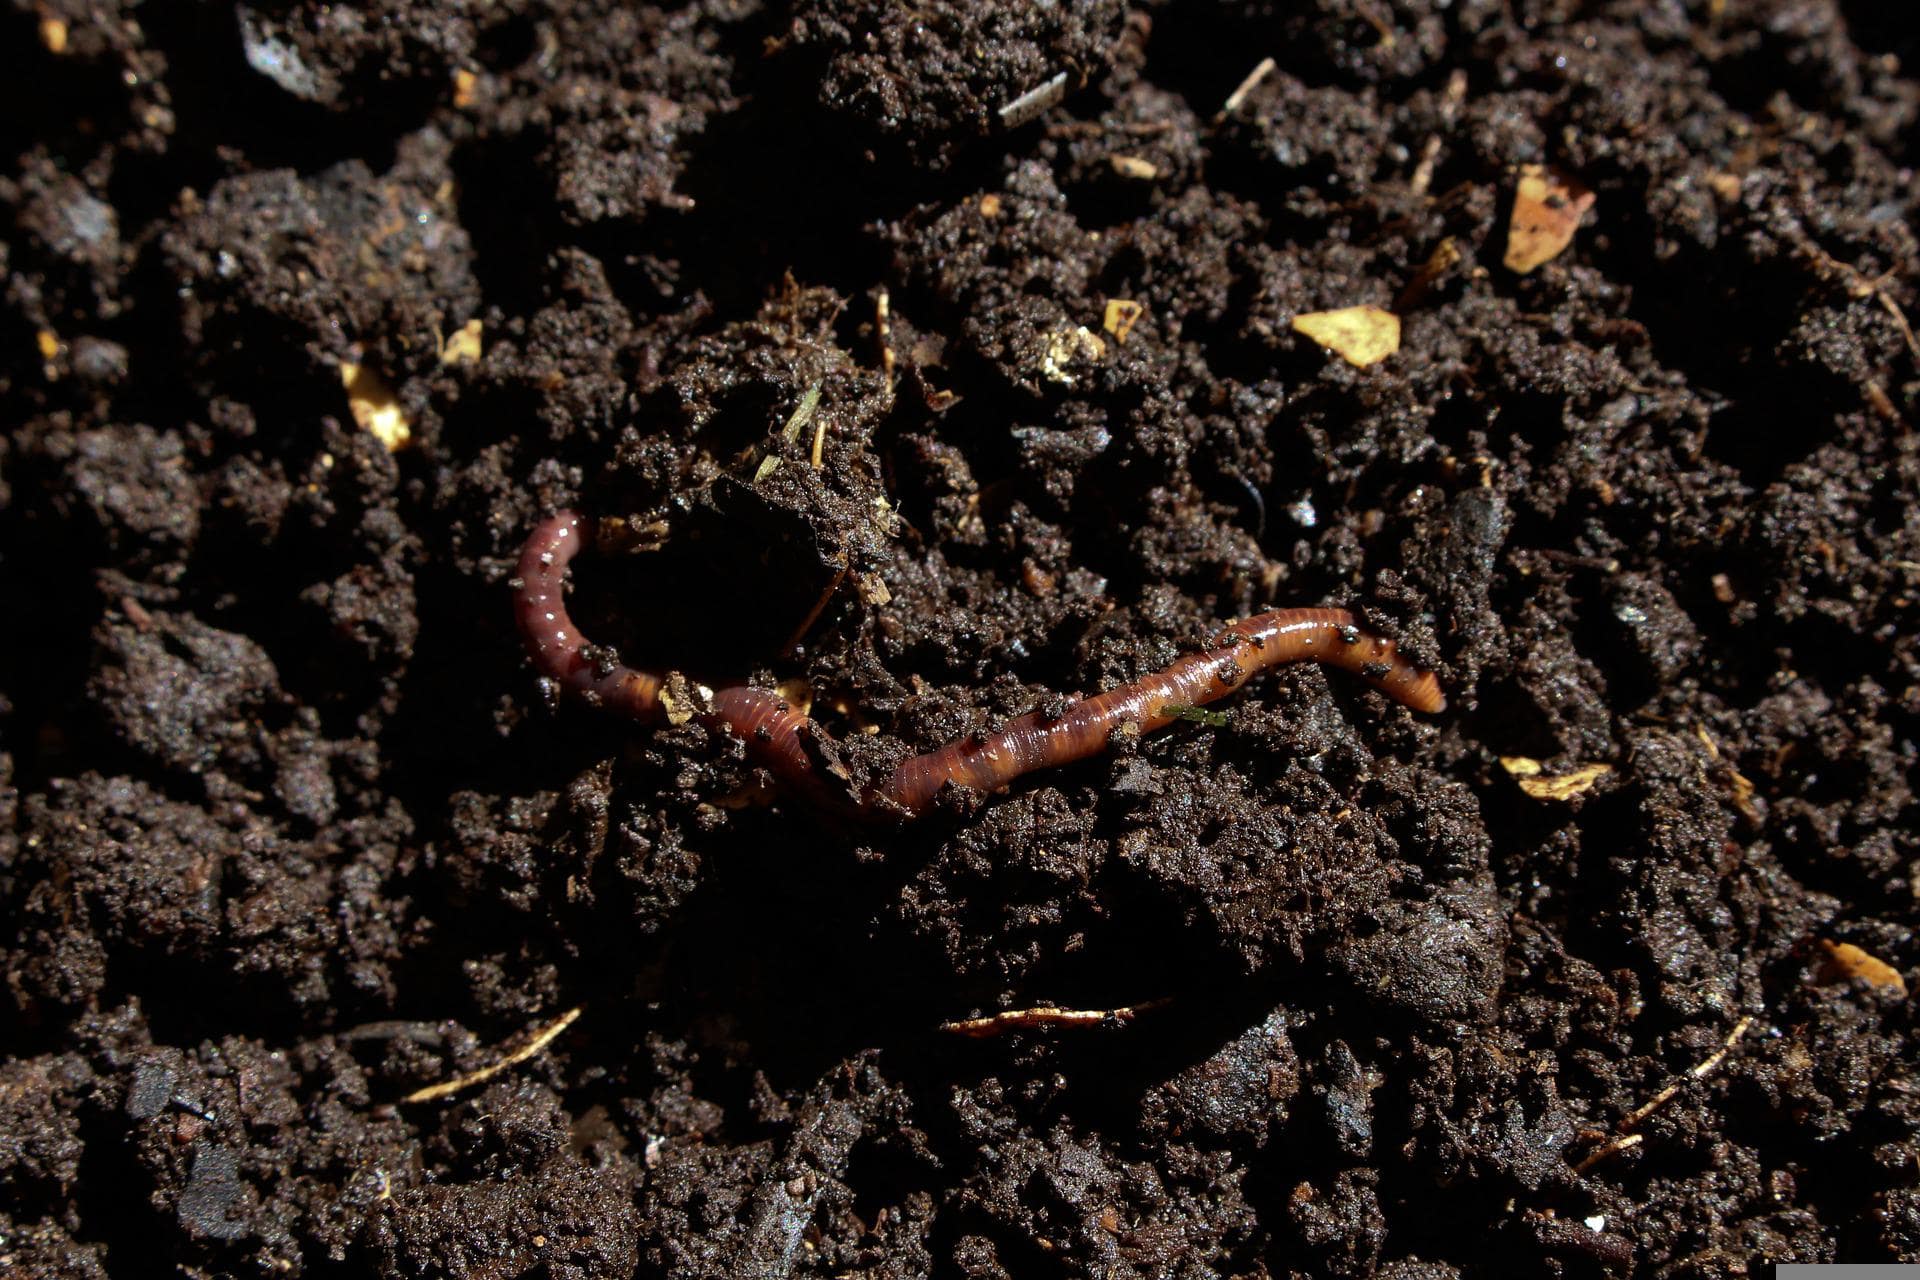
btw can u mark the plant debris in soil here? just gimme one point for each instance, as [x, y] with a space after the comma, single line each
[939, 361]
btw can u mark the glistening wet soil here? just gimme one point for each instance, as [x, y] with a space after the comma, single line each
[936, 362]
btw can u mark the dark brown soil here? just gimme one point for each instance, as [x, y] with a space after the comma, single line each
[287, 832]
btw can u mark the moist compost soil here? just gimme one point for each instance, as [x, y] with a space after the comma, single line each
[821, 312]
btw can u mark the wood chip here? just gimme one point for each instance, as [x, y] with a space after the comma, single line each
[1843, 962]
[1359, 335]
[1533, 779]
[1547, 208]
[375, 407]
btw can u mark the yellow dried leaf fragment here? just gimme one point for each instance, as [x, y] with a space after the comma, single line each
[375, 407]
[681, 699]
[873, 589]
[1359, 335]
[1547, 208]
[48, 343]
[464, 346]
[1065, 348]
[1444, 258]
[798, 693]
[1844, 961]
[1534, 781]
[1120, 316]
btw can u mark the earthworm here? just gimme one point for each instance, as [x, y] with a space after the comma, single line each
[785, 742]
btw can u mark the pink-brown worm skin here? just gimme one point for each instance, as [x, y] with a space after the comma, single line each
[778, 737]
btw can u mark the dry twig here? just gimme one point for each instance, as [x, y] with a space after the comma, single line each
[1047, 1015]
[1261, 71]
[1627, 1138]
[541, 1039]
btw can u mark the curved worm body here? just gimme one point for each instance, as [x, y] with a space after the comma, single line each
[782, 739]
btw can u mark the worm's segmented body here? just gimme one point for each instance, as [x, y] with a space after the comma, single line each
[779, 738]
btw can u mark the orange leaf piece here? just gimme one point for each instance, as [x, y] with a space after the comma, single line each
[1547, 208]
[1843, 960]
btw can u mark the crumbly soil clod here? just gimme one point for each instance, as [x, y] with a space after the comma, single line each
[287, 833]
